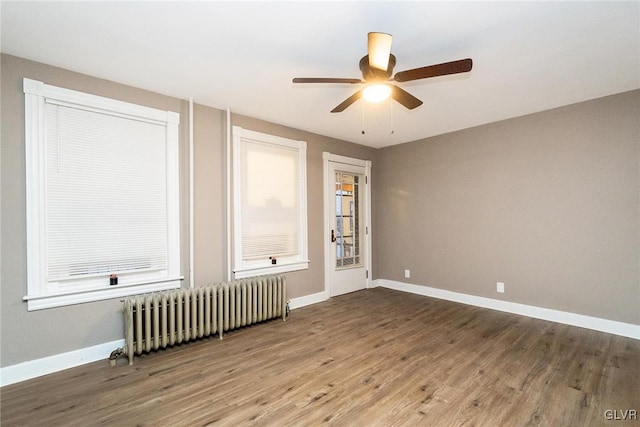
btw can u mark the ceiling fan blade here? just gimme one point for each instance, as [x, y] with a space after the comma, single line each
[324, 80]
[453, 67]
[347, 102]
[379, 50]
[405, 98]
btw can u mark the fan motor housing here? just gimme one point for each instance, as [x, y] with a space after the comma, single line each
[373, 74]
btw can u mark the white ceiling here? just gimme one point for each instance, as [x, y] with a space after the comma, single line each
[528, 56]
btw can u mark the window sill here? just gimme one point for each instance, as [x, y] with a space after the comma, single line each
[41, 302]
[242, 273]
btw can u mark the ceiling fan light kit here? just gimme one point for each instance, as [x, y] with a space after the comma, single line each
[376, 92]
[377, 67]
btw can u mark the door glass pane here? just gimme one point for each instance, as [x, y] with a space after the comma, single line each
[347, 219]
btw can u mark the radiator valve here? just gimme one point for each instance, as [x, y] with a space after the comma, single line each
[113, 357]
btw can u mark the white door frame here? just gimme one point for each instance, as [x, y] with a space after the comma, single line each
[329, 198]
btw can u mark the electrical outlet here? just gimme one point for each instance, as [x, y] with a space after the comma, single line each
[407, 274]
[500, 287]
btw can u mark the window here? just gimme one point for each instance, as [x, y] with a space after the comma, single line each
[102, 197]
[270, 204]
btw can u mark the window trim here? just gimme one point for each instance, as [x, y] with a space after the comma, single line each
[39, 293]
[301, 262]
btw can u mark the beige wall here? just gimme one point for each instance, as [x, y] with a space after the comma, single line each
[548, 203]
[32, 335]
[209, 195]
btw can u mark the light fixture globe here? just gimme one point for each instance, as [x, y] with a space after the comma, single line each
[376, 92]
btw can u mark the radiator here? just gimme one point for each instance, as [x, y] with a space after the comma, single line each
[163, 319]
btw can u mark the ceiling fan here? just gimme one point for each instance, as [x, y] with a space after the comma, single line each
[377, 68]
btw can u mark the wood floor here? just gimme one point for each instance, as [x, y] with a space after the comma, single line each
[372, 358]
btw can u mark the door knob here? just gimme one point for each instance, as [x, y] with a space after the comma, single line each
[333, 236]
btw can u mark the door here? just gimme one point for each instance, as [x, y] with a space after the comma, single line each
[348, 226]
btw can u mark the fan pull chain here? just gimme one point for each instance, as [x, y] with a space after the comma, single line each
[363, 132]
[392, 124]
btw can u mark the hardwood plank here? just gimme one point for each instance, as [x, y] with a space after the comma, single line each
[375, 357]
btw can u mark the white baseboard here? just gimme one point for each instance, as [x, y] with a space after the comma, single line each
[47, 365]
[59, 362]
[603, 325]
[307, 300]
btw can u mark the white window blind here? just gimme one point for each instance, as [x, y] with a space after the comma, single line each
[102, 187]
[106, 194]
[270, 204]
